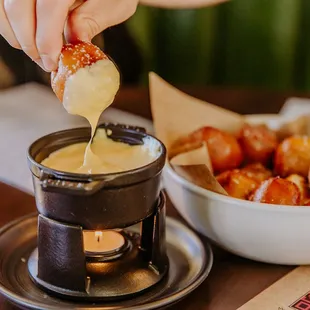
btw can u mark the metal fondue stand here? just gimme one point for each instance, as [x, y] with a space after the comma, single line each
[73, 208]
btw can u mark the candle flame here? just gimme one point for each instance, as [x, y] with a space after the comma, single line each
[98, 235]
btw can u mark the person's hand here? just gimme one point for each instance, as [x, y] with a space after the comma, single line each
[37, 26]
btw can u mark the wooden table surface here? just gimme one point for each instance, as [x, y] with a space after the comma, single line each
[233, 280]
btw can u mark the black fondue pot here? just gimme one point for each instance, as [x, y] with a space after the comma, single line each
[96, 201]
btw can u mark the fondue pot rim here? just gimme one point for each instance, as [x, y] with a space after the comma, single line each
[96, 176]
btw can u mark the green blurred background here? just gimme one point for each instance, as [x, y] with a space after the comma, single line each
[248, 43]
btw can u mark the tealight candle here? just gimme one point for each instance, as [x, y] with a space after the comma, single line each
[102, 242]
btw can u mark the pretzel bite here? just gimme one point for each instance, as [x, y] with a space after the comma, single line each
[72, 58]
[258, 143]
[293, 156]
[277, 191]
[301, 184]
[257, 172]
[237, 184]
[224, 149]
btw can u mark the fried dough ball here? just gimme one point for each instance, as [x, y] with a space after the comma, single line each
[237, 184]
[240, 183]
[277, 191]
[72, 58]
[258, 143]
[257, 172]
[293, 156]
[301, 184]
[224, 150]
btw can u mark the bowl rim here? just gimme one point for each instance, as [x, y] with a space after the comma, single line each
[231, 200]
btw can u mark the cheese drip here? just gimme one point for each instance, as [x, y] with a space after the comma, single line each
[88, 92]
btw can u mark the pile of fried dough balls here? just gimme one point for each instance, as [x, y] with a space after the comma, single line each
[255, 164]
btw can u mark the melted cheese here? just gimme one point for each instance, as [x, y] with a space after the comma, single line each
[112, 156]
[88, 93]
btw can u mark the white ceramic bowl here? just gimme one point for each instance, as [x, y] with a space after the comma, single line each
[262, 232]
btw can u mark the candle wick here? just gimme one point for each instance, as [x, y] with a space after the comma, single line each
[98, 235]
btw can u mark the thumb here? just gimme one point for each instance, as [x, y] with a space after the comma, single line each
[94, 16]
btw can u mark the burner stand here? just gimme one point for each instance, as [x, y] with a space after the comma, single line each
[60, 265]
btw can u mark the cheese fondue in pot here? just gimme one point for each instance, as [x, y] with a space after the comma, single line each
[112, 156]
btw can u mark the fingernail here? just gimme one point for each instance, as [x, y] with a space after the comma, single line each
[39, 63]
[84, 37]
[48, 63]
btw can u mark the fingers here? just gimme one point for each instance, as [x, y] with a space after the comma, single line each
[5, 27]
[51, 17]
[94, 16]
[37, 26]
[22, 17]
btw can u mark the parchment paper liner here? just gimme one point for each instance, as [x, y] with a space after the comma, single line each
[176, 114]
